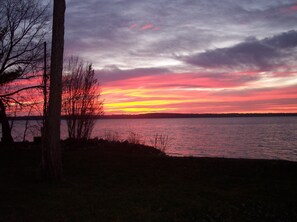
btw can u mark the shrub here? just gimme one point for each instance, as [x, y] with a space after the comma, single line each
[135, 138]
[112, 136]
[160, 141]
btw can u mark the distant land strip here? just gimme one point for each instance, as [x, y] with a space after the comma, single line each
[169, 115]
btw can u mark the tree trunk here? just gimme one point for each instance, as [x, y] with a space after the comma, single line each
[6, 131]
[51, 160]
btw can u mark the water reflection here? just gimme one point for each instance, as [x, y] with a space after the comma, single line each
[240, 137]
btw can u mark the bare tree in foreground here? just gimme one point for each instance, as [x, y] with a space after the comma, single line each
[81, 98]
[23, 26]
[51, 155]
[6, 130]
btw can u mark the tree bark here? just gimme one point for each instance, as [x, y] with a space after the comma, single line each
[6, 131]
[52, 160]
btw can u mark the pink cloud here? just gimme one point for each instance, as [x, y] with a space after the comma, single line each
[289, 9]
[147, 26]
[195, 93]
[185, 80]
[136, 26]
[133, 26]
[188, 93]
[293, 8]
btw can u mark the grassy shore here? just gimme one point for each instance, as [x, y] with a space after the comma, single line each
[106, 181]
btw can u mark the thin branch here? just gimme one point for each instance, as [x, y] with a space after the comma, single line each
[15, 92]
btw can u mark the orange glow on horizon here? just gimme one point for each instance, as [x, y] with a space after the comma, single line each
[189, 93]
[241, 92]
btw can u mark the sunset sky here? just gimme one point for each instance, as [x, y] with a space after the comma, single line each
[188, 56]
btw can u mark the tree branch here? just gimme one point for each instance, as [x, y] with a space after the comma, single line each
[26, 88]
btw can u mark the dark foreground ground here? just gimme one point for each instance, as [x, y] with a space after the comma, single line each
[121, 182]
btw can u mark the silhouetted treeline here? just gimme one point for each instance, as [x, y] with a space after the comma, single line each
[171, 115]
[210, 115]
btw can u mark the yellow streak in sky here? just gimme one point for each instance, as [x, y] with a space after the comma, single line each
[137, 110]
[145, 103]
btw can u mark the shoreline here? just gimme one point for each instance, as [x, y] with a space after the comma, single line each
[171, 115]
[126, 182]
[132, 148]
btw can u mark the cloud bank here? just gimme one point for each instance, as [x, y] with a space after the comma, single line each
[188, 55]
[262, 54]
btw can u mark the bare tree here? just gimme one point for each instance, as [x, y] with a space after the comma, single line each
[6, 130]
[51, 155]
[81, 98]
[23, 28]
[26, 102]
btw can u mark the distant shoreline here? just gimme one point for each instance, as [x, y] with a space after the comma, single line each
[172, 115]
[210, 115]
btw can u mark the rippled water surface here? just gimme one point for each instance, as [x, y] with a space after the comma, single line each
[238, 137]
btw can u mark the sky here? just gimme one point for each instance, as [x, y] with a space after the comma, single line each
[188, 56]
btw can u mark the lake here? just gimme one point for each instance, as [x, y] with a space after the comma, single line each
[233, 137]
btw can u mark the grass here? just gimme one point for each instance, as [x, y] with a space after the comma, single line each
[125, 182]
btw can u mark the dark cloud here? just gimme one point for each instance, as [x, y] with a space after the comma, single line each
[253, 54]
[113, 73]
[285, 40]
[127, 33]
[161, 77]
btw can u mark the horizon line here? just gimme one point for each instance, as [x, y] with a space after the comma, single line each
[168, 115]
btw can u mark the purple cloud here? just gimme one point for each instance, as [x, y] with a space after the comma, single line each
[113, 73]
[251, 54]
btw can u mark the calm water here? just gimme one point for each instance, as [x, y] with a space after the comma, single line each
[240, 137]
